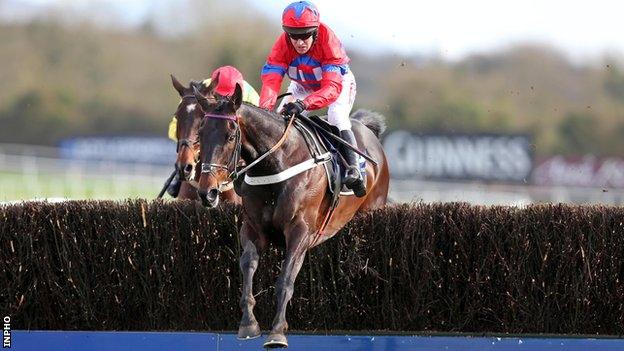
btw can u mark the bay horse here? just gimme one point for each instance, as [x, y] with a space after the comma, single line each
[291, 212]
[189, 117]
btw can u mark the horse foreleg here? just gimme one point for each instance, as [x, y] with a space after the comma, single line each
[249, 327]
[296, 247]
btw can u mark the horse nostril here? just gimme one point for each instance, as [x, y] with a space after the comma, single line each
[212, 194]
[210, 198]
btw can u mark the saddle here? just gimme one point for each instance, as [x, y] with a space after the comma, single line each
[319, 144]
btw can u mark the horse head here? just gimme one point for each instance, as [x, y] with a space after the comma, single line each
[220, 140]
[189, 117]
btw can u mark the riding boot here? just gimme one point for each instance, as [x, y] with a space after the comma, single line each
[174, 187]
[353, 177]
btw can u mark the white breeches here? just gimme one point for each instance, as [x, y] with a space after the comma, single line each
[338, 111]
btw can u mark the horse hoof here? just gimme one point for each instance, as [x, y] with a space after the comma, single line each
[249, 332]
[276, 341]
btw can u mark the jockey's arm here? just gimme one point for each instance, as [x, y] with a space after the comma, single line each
[334, 65]
[331, 86]
[273, 73]
[272, 77]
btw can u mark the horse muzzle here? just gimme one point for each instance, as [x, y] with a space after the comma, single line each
[209, 197]
[185, 170]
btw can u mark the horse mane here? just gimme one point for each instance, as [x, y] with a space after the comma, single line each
[264, 112]
[375, 121]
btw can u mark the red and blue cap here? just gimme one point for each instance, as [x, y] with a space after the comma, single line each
[300, 17]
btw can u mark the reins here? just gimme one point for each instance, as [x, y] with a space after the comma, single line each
[279, 143]
[236, 153]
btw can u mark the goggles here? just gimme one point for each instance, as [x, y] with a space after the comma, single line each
[303, 36]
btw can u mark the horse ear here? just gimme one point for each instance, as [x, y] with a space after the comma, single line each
[237, 98]
[177, 85]
[203, 102]
[213, 85]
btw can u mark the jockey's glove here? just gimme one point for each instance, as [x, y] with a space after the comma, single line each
[293, 108]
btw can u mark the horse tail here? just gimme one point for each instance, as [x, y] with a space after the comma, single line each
[375, 121]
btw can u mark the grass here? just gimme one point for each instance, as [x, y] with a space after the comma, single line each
[17, 186]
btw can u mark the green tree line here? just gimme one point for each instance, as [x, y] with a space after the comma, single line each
[62, 80]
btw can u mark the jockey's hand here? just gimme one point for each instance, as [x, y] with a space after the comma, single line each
[294, 107]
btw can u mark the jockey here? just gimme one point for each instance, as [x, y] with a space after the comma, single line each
[318, 68]
[228, 78]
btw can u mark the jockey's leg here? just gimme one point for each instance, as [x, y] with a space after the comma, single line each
[338, 115]
[353, 177]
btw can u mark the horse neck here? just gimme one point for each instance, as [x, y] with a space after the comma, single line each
[261, 131]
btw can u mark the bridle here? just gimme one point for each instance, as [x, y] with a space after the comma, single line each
[236, 153]
[209, 168]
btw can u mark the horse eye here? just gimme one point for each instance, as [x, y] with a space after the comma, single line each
[231, 138]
